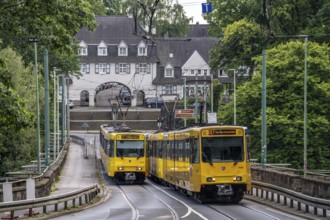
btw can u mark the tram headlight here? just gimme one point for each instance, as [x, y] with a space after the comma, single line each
[120, 168]
[210, 179]
[139, 168]
[237, 178]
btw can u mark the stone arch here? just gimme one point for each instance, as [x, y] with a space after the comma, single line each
[84, 98]
[111, 90]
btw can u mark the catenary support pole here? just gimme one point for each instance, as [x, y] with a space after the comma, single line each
[46, 80]
[263, 112]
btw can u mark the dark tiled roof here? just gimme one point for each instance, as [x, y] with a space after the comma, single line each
[198, 30]
[112, 30]
[181, 49]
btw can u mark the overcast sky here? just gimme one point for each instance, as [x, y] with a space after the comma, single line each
[193, 8]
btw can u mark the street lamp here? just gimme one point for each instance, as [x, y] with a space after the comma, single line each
[185, 99]
[234, 72]
[35, 41]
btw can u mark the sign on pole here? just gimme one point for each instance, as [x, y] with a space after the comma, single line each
[211, 118]
[33, 40]
[184, 113]
[206, 7]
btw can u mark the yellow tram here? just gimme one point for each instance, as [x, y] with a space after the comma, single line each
[210, 163]
[123, 154]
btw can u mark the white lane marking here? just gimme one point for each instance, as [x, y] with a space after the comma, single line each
[187, 206]
[173, 212]
[135, 212]
[264, 213]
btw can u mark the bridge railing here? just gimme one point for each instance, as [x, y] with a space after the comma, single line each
[290, 198]
[285, 167]
[83, 196]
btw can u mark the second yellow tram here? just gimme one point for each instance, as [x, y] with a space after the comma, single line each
[210, 163]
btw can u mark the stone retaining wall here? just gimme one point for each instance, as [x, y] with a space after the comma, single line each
[309, 186]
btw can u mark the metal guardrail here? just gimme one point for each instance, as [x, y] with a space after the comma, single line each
[268, 191]
[319, 174]
[81, 141]
[88, 194]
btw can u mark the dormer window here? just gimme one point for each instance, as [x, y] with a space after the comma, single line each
[122, 49]
[102, 49]
[168, 71]
[142, 49]
[82, 49]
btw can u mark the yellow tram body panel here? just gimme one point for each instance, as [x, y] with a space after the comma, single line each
[155, 160]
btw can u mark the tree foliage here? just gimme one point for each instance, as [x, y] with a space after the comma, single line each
[54, 23]
[285, 120]
[164, 16]
[259, 22]
[16, 119]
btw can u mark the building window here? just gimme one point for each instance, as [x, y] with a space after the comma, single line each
[168, 72]
[122, 68]
[169, 89]
[84, 68]
[102, 51]
[143, 68]
[102, 68]
[83, 51]
[142, 51]
[122, 49]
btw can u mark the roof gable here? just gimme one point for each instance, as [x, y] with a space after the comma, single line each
[195, 61]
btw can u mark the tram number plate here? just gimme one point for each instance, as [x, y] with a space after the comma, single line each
[130, 176]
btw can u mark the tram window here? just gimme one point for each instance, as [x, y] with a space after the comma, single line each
[161, 150]
[187, 146]
[106, 147]
[236, 153]
[130, 148]
[171, 150]
[194, 150]
[222, 149]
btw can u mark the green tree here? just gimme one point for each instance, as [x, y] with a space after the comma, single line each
[54, 23]
[164, 16]
[17, 132]
[271, 18]
[285, 78]
[240, 42]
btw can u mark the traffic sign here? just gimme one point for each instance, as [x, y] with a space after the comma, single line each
[206, 7]
[184, 113]
[33, 40]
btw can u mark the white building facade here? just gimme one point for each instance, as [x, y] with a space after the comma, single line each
[117, 60]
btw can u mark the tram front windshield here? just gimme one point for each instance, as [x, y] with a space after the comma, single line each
[130, 148]
[219, 149]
